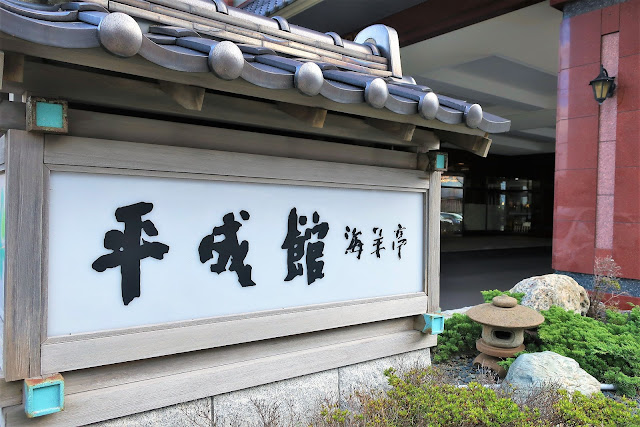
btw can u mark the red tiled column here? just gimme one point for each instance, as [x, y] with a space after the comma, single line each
[577, 144]
[626, 217]
[607, 126]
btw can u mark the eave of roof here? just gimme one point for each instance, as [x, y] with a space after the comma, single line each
[230, 46]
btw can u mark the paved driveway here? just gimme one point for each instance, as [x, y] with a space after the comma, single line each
[464, 274]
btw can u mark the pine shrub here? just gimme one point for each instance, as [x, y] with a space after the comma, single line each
[459, 337]
[609, 350]
[489, 295]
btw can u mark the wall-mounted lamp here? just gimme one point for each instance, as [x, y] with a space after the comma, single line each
[603, 86]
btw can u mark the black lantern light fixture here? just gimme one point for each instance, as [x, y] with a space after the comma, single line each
[603, 85]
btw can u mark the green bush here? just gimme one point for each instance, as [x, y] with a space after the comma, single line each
[489, 295]
[417, 398]
[610, 350]
[460, 332]
[459, 337]
[596, 410]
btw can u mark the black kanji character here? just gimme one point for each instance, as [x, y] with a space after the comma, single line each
[128, 249]
[228, 249]
[377, 242]
[400, 241]
[295, 242]
[355, 245]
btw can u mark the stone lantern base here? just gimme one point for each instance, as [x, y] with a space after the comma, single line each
[490, 356]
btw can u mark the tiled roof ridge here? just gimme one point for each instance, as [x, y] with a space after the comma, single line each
[208, 36]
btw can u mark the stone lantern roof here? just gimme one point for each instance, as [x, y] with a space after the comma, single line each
[505, 312]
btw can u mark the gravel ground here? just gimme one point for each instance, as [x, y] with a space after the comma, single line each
[460, 371]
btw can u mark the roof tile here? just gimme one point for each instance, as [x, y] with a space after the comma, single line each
[261, 53]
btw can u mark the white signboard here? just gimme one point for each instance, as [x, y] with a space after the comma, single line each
[129, 251]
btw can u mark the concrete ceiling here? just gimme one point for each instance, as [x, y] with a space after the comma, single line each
[343, 16]
[507, 64]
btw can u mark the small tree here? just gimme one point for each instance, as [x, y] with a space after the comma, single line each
[606, 287]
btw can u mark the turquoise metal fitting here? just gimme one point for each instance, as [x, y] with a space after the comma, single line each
[43, 396]
[47, 115]
[430, 323]
[438, 161]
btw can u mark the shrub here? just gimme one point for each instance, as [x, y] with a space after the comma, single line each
[460, 332]
[418, 398]
[459, 336]
[610, 351]
[489, 295]
[605, 281]
[596, 410]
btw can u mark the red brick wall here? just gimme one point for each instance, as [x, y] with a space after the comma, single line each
[580, 142]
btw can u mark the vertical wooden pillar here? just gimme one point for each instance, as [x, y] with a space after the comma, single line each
[433, 246]
[24, 254]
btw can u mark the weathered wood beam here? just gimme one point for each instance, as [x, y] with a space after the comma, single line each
[403, 131]
[12, 115]
[24, 243]
[311, 115]
[189, 97]
[13, 67]
[91, 124]
[433, 242]
[478, 145]
[93, 88]
[426, 140]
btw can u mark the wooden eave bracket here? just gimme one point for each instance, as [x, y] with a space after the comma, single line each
[403, 131]
[189, 97]
[474, 143]
[427, 141]
[313, 116]
[11, 68]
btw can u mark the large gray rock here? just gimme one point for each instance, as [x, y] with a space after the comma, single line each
[533, 370]
[541, 292]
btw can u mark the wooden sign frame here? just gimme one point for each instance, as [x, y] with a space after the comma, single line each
[28, 160]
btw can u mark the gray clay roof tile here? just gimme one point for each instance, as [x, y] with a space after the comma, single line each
[194, 36]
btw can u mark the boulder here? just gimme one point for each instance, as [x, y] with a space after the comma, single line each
[533, 370]
[541, 292]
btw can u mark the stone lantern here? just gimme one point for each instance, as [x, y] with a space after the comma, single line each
[503, 324]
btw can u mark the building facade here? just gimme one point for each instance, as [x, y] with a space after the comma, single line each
[597, 196]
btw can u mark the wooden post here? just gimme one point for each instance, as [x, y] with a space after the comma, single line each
[24, 253]
[433, 246]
